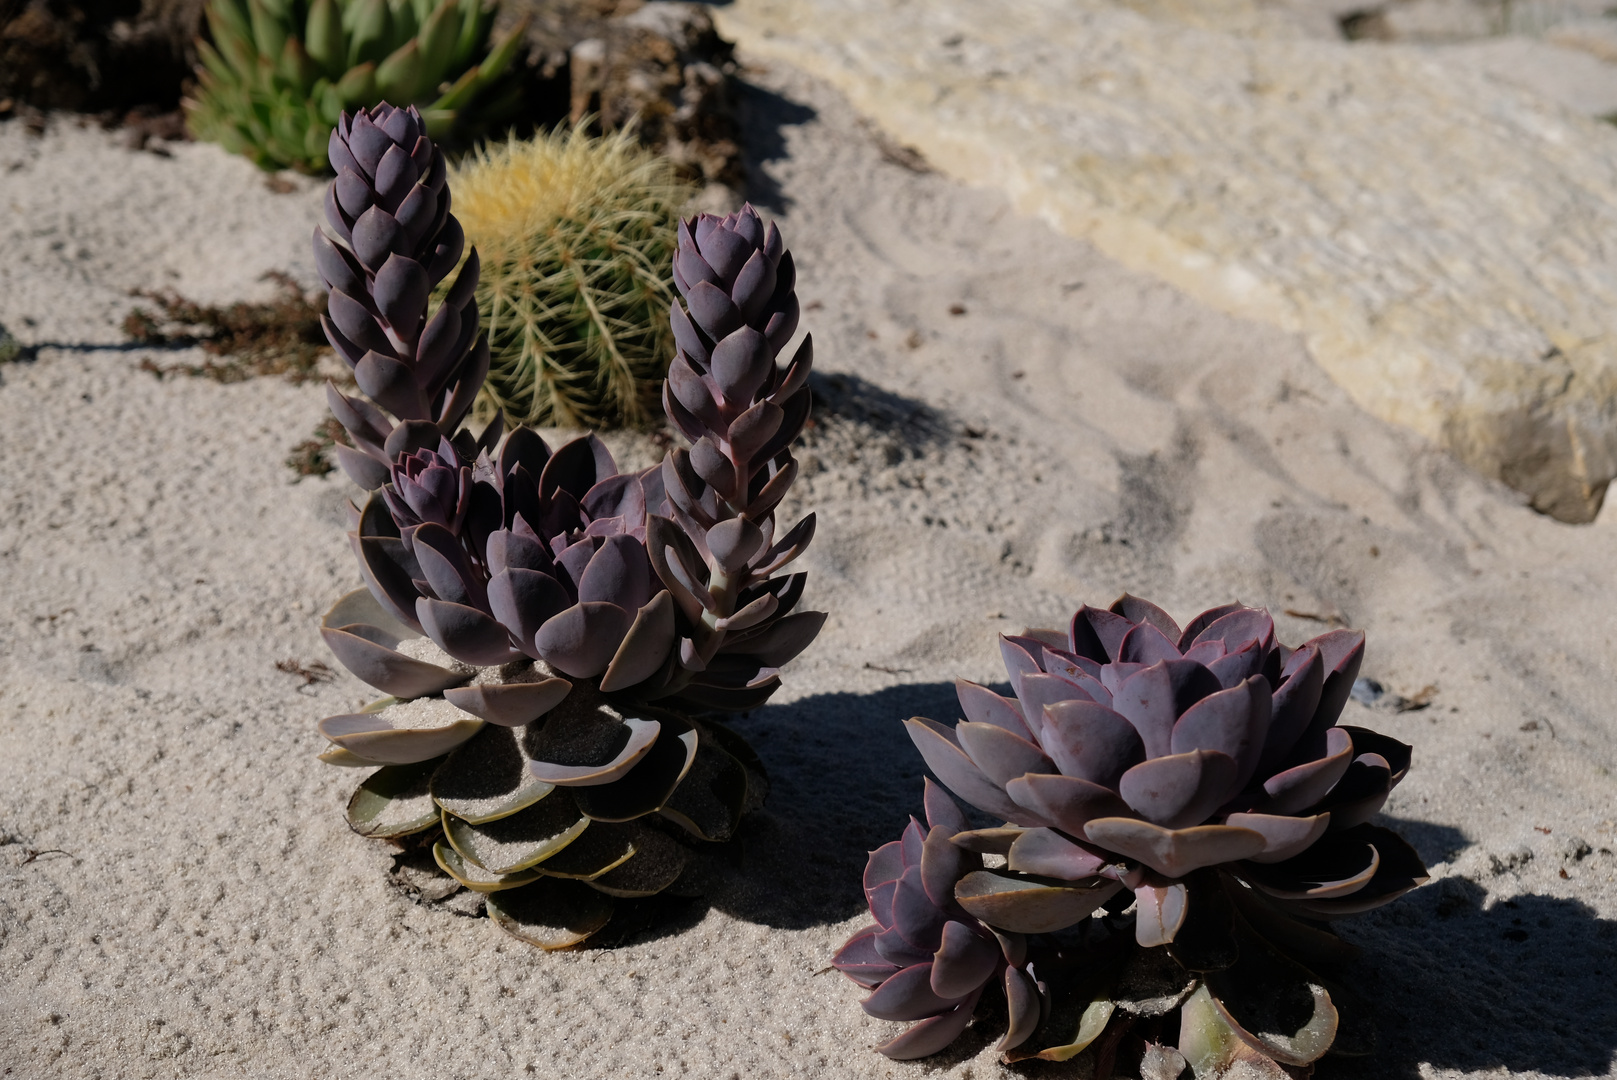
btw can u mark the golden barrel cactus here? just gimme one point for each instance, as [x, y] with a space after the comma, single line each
[576, 235]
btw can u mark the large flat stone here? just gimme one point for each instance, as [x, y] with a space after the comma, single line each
[1444, 240]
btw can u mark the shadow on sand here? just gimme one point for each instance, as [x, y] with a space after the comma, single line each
[764, 116]
[844, 778]
[1455, 982]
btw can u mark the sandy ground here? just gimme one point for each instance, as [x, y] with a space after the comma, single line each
[179, 895]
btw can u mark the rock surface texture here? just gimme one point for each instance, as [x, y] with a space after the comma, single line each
[1439, 236]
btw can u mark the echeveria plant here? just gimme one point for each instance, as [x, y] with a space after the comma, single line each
[552, 632]
[1192, 788]
[926, 957]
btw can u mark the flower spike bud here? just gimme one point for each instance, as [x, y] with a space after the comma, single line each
[388, 240]
[741, 411]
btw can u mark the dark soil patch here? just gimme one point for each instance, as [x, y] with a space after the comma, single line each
[281, 337]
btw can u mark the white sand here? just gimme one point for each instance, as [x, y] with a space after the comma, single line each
[214, 917]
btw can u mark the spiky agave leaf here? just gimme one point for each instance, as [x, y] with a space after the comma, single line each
[277, 76]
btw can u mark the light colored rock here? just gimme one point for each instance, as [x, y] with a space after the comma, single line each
[1572, 77]
[1249, 18]
[1597, 37]
[1463, 20]
[1440, 238]
[1442, 20]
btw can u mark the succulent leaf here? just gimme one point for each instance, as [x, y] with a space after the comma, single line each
[604, 846]
[1274, 1006]
[394, 801]
[658, 861]
[709, 802]
[552, 913]
[487, 777]
[521, 840]
[645, 788]
[1027, 904]
[475, 877]
[376, 738]
[932, 1034]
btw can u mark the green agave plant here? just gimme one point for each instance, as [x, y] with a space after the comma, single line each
[280, 72]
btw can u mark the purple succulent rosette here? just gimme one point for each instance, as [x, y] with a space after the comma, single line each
[552, 633]
[926, 958]
[1198, 778]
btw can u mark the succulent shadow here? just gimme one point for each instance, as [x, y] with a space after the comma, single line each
[1435, 843]
[843, 776]
[1524, 984]
[764, 115]
[850, 399]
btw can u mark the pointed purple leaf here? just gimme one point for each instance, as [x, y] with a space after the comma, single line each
[645, 648]
[1295, 704]
[908, 995]
[1037, 690]
[1049, 854]
[391, 384]
[1174, 852]
[465, 633]
[1136, 610]
[981, 705]
[1097, 634]
[523, 600]
[956, 771]
[886, 864]
[1180, 790]
[581, 640]
[1153, 698]
[618, 573]
[510, 704]
[932, 1034]
[741, 362]
[1065, 802]
[1145, 644]
[1283, 836]
[1090, 741]
[712, 310]
[941, 811]
[1301, 786]
[381, 666]
[964, 960]
[1233, 722]
[1000, 755]
[859, 960]
[942, 864]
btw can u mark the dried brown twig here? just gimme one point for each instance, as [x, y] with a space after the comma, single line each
[311, 673]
